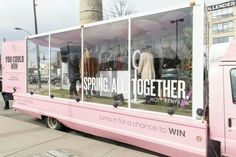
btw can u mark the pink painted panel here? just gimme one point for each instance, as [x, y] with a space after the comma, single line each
[216, 102]
[13, 66]
[170, 135]
[230, 53]
[145, 127]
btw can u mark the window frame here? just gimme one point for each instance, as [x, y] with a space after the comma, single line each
[223, 27]
[226, 12]
[220, 39]
[231, 83]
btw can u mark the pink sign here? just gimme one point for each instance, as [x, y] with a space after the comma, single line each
[13, 66]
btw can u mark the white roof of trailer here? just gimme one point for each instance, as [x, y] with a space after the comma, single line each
[162, 10]
[155, 23]
[217, 52]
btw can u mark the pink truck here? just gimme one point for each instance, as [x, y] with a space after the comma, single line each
[144, 80]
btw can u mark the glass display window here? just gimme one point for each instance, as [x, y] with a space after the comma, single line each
[143, 62]
[162, 71]
[38, 65]
[105, 63]
[65, 62]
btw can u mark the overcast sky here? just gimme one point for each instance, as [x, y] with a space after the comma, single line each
[58, 14]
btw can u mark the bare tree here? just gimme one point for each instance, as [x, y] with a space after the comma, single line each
[119, 8]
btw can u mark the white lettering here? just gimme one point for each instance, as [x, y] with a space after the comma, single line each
[140, 87]
[93, 83]
[159, 87]
[166, 88]
[181, 89]
[155, 88]
[113, 85]
[89, 83]
[173, 89]
[105, 85]
[85, 84]
[134, 86]
[152, 87]
[146, 87]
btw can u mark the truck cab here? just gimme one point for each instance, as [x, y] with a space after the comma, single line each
[222, 98]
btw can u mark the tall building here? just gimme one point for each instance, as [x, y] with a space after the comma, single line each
[222, 26]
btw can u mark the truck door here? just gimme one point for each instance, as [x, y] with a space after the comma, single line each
[230, 109]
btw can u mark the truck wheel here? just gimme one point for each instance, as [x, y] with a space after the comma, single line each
[53, 123]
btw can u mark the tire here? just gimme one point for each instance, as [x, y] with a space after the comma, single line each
[53, 123]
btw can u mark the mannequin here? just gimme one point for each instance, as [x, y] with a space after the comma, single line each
[146, 67]
[74, 72]
[91, 66]
[146, 64]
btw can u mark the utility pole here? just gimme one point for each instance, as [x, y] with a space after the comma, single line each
[35, 17]
[177, 34]
[176, 22]
[37, 46]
